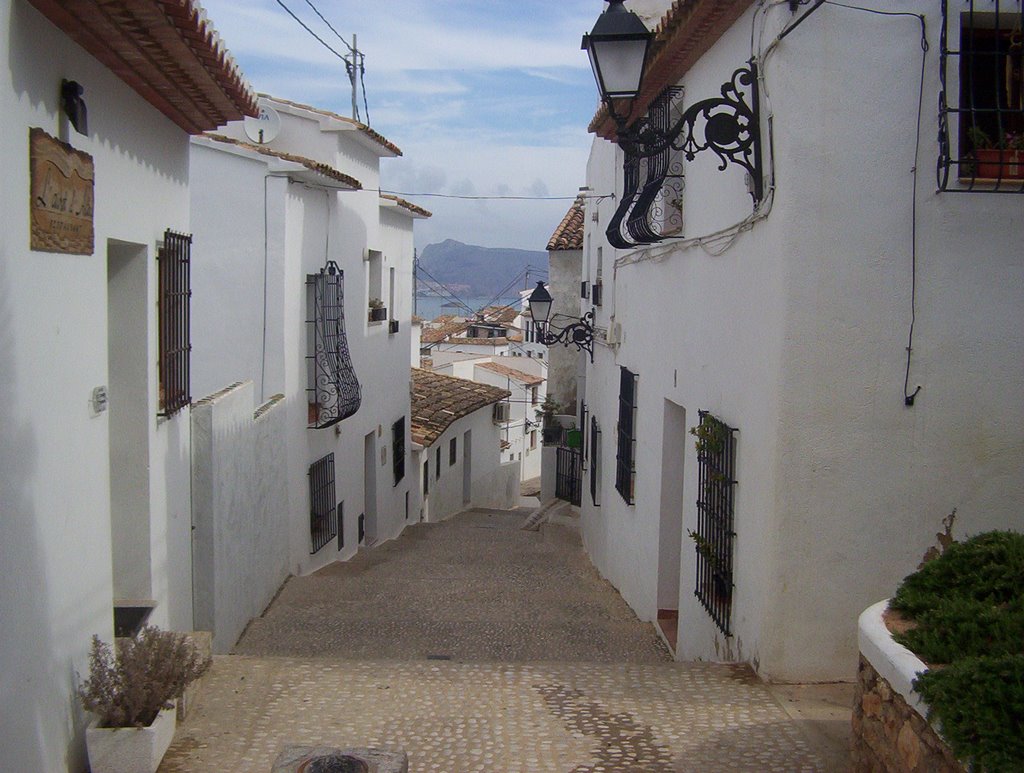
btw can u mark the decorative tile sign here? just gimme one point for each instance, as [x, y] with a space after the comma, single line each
[62, 196]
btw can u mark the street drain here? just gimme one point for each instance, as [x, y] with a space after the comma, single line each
[334, 763]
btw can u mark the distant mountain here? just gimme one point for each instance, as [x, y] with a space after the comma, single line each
[474, 271]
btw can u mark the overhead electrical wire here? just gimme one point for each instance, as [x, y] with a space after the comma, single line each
[337, 34]
[304, 26]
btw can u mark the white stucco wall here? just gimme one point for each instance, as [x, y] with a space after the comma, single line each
[565, 268]
[239, 506]
[55, 463]
[522, 409]
[262, 290]
[796, 335]
[492, 483]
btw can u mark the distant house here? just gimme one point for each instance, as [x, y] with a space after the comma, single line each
[521, 430]
[456, 444]
[94, 351]
[810, 323]
[303, 278]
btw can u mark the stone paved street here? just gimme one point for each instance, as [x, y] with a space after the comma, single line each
[476, 646]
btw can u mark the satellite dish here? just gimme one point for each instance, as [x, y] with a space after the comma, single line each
[265, 128]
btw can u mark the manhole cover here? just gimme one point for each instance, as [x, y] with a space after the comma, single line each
[335, 763]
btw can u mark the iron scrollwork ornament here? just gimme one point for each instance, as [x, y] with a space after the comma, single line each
[728, 126]
[334, 393]
[579, 333]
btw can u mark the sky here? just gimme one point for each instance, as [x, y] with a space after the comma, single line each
[484, 97]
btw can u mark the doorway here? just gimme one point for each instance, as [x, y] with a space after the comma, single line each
[128, 419]
[370, 487]
[467, 467]
[670, 528]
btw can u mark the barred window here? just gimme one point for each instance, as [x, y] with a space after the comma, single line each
[175, 294]
[625, 462]
[981, 123]
[332, 389]
[323, 513]
[714, 537]
[398, 449]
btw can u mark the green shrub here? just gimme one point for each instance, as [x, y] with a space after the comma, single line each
[968, 605]
[988, 567]
[979, 702]
[957, 628]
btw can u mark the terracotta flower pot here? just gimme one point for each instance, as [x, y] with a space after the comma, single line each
[994, 163]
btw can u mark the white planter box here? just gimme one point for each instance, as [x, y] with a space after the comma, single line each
[130, 749]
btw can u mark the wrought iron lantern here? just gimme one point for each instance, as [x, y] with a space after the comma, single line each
[727, 125]
[579, 332]
[618, 47]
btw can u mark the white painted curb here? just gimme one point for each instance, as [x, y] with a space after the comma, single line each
[893, 662]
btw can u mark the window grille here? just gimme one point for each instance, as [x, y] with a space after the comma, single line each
[323, 513]
[625, 463]
[583, 431]
[714, 537]
[452, 451]
[333, 390]
[398, 449]
[597, 293]
[341, 525]
[568, 474]
[175, 293]
[595, 464]
[981, 117]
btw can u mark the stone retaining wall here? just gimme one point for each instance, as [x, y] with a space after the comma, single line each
[891, 737]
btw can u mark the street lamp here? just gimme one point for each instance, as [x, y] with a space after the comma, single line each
[579, 332]
[618, 47]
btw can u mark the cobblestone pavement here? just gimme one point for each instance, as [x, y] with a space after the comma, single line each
[477, 647]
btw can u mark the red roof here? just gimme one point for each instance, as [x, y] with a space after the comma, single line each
[569, 234]
[166, 50]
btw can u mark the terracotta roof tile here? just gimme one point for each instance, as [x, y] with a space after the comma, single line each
[377, 137]
[407, 205]
[166, 50]
[569, 234]
[512, 373]
[448, 328]
[439, 401]
[314, 166]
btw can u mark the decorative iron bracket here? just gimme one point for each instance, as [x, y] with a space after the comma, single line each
[579, 333]
[728, 126]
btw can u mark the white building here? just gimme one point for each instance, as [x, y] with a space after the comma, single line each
[521, 428]
[456, 447]
[303, 290]
[94, 428]
[842, 445]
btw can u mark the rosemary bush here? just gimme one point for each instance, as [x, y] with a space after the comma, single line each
[149, 671]
[969, 608]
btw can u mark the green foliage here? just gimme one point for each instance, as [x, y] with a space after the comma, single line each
[988, 568]
[710, 435]
[957, 628]
[980, 704]
[968, 604]
[148, 672]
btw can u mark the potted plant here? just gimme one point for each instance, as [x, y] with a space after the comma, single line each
[130, 690]
[1001, 158]
[378, 312]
